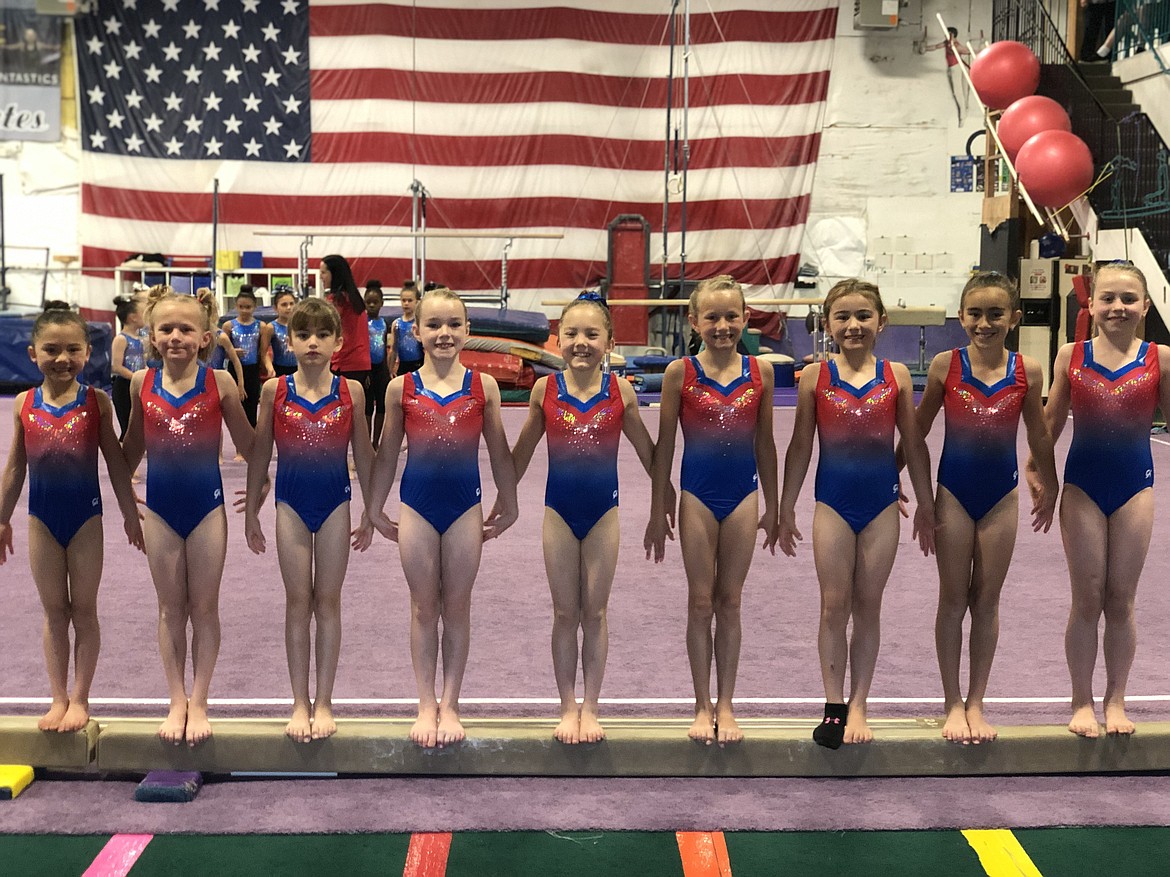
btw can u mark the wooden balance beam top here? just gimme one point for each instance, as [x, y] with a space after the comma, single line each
[774, 747]
[926, 315]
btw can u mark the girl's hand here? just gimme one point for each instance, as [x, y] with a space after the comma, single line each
[133, 528]
[253, 534]
[903, 501]
[1043, 504]
[498, 520]
[363, 536]
[658, 529]
[770, 524]
[385, 526]
[1034, 481]
[925, 527]
[787, 535]
[6, 548]
[243, 392]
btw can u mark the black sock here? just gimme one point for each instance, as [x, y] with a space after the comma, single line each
[830, 733]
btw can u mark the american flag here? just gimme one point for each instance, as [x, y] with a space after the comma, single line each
[516, 115]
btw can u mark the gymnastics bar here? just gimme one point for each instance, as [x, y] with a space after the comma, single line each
[634, 747]
[22, 742]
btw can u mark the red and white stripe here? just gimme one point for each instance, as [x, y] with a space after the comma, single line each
[526, 117]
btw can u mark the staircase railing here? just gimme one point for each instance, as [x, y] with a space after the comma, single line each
[1141, 25]
[1136, 192]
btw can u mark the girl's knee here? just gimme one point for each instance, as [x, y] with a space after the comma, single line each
[426, 612]
[84, 617]
[567, 616]
[835, 610]
[700, 607]
[1119, 608]
[327, 606]
[593, 620]
[1088, 606]
[204, 611]
[727, 606]
[58, 617]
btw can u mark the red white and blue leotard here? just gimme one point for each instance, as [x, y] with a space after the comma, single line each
[441, 479]
[312, 477]
[857, 476]
[978, 463]
[182, 436]
[719, 432]
[61, 445]
[1109, 457]
[582, 452]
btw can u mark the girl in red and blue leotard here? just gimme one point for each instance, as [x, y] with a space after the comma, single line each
[442, 409]
[584, 411]
[58, 429]
[177, 413]
[984, 389]
[310, 417]
[1112, 383]
[854, 400]
[724, 402]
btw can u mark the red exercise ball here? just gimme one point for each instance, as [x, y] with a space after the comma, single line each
[1004, 72]
[1029, 116]
[1055, 167]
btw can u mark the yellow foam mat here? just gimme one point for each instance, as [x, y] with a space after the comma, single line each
[14, 779]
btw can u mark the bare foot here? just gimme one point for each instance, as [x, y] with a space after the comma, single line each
[323, 723]
[450, 728]
[727, 728]
[198, 725]
[174, 726]
[1084, 722]
[703, 728]
[956, 728]
[568, 729]
[1116, 721]
[591, 730]
[425, 730]
[299, 728]
[981, 730]
[76, 717]
[857, 729]
[51, 721]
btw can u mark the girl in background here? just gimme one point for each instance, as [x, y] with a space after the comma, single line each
[126, 355]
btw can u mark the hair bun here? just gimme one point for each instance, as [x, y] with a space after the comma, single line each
[55, 304]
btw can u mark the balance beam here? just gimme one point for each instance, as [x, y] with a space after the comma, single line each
[634, 747]
[22, 742]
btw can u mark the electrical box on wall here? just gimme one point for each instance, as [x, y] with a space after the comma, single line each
[872, 14]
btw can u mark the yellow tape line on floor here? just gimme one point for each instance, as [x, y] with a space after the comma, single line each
[1000, 853]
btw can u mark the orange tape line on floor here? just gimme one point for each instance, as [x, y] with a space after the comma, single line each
[118, 855]
[703, 853]
[427, 855]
